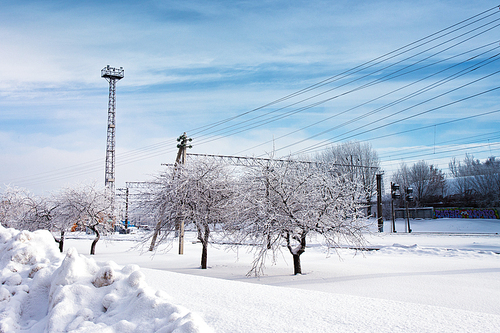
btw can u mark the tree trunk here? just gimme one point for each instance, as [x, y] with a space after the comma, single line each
[203, 237]
[204, 256]
[157, 229]
[301, 248]
[153, 240]
[96, 239]
[296, 264]
[61, 241]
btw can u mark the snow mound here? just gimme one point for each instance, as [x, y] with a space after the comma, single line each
[43, 290]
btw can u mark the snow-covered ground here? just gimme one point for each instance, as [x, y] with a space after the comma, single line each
[443, 277]
[44, 291]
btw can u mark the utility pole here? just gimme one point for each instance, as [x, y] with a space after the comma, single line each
[126, 210]
[380, 219]
[181, 160]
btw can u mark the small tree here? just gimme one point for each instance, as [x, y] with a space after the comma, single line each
[26, 211]
[284, 204]
[420, 176]
[23, 210]
[15, 207]
[437, 184]
[89, 207]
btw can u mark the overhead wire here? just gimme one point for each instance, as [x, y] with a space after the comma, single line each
[443, 144]
[239, 130]
[329, 141]
[377, 98]
[289, 113]
[158, 149]
[461, 149]
[359, 67]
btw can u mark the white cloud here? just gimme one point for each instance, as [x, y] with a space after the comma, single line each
[188, 64]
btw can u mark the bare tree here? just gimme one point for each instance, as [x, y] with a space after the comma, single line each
[420, 176]
[477, 182]
[438, 184]
[360, 161]
[284, 204]
[428, 182]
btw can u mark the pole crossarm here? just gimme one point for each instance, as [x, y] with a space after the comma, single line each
[140, 184]
[259, 161]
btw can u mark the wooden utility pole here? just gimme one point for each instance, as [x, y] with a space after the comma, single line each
[181, 160]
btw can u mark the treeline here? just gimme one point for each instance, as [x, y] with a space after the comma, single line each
[84, 206]
[471, 183]
[273, 206]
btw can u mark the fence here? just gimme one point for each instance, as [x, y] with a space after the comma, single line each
[415, 213]
[457, 213]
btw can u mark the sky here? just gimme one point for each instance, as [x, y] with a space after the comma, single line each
[242, 78]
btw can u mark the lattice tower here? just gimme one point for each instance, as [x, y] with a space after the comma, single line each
[111, 75]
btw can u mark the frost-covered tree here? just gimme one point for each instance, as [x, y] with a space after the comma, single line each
[160, 204]
[23, 210]
[358, 160]
[282, 204]
[197, 194]
[87, 206]
[14, 206]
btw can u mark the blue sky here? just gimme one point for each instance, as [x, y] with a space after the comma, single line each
[189, 64]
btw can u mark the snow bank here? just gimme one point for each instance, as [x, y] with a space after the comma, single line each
[44, 291]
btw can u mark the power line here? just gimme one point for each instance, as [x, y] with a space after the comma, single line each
[441, 145]
[159, 149]
[448, 151]
[357, 68]
[434, 85]
[328, 141]
[289, 113]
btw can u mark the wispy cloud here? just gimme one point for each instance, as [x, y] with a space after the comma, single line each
[191, 63]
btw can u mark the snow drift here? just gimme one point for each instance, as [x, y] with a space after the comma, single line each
[43, 290]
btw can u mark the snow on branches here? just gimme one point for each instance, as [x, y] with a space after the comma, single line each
[196, 194]
[281, 205]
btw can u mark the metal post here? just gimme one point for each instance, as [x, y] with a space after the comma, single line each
[380, 219]
[126, 210]
[393, 216]
[407, 228]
